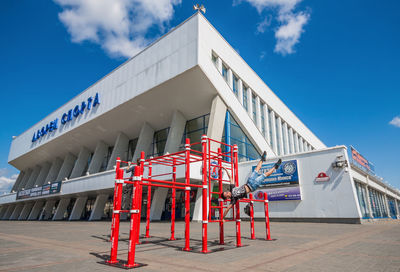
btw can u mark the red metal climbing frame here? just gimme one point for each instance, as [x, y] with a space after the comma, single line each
[212, 163]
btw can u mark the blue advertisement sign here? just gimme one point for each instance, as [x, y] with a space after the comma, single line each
[287, 173]
[47, 189]
[283, 184]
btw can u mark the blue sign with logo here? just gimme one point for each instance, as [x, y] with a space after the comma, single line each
[287, 173]
[68, 116]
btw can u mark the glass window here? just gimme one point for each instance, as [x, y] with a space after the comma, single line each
[285, 151]
[262, 119]
[159, 141]
[106, 159]
[278, 135]
[245, 105]
[131, 149]
[253, 102]
[235, 86]
[270, 127]
[246, 150]
[362, 202]
[392, 207]
[214, 59]
[87, 164]
[225, 72]
[377, 204]
[196, 128]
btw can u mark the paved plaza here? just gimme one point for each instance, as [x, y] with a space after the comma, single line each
[82, 246]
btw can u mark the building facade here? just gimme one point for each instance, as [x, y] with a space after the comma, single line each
[188, 83]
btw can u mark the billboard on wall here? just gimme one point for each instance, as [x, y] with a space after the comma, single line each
[283, 184]
[361, 160]
[47, 189]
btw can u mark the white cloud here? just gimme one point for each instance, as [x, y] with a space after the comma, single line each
[6, 183]
[282, 5]
[291, 23]
[289, 33]
[119, 26]
[395, 122]
[262, 26]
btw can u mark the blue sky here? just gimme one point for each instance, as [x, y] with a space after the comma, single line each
[334, 63]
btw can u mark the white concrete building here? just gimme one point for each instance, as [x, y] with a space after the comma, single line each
[188, 83]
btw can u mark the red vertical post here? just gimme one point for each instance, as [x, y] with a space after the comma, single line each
[220, 200]
[204, 192]
[173, 201]
[187, 195]
[268, 230]
[116, 212]
[252, 234]
[141, 171]
[148, 203]
[235, 162]
[135, 216]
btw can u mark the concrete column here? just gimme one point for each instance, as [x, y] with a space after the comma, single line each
[296, 143]
[26, 210]
[386, 203]
[369, 207]
[273, 130]
[144, 141]
[98, 208]
[47, 209]
[18, 182]
[119, 150]
[78, 208]
[230, 78]
[157, 203]
[291, 140]
[301, 144]
[61, 208]
[17, 211]
[3, 210]
[250, 102]
[176, 131]
[54, 170]
[258, 113]
[37, 208]
[286, 137]
[279, 135]
[33, 177]
[240, 91]
[98, 156]
[396, 202]
[219, 65]
[266, 124]
[66, 167]
[8, 212]
[80, 163]
[42, 174]
[217, 121]
[25, 179]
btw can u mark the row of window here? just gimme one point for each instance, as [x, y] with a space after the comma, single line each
[283, 139]
[377, 203]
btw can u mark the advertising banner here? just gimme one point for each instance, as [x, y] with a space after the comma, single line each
[283, 184]
[47, 189]
[360, 160]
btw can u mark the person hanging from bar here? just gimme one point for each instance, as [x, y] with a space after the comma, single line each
[128, 188]
[253, 182]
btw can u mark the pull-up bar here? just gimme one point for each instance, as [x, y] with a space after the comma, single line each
[211, 161]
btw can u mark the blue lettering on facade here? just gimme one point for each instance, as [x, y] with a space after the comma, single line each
[66, 117]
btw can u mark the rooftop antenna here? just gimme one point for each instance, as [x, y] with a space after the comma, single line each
[199, 8]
